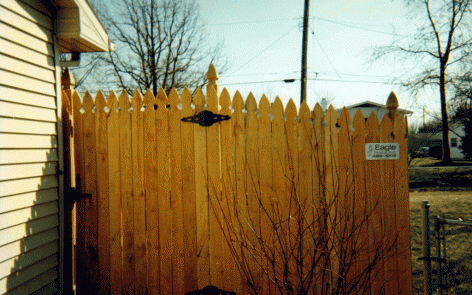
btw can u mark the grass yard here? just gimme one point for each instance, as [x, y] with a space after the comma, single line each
[450, 205]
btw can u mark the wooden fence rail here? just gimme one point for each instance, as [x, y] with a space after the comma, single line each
[163, 189]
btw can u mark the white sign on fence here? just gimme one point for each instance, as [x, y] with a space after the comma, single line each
[382, 151]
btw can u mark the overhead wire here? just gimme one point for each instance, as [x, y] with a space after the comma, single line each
[329, 60]
[265, 49]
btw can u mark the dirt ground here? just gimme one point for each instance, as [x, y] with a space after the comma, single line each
[450, 205]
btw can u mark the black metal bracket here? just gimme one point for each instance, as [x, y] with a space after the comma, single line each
[210, 290]
[75, 194]
[206, 118]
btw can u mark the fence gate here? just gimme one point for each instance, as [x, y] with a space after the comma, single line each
[164, 179]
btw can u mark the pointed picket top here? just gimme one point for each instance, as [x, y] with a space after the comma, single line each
[304, 112]
[198, 100]
[161, 99]
[88, 102]
[290, 110]
[100, 101]
[399, 126]
[331, 118]
[174, 99]
[123, 101]
[264, 106]
[344, 119]
[278, 110]
[149, 100]
[372, 125]
[358, 123]
[136, 101]
[186, 100]
[317, 115]
[238, 103]
[386, 122]
[112, 103]
[212, 100]
[225, 102]
[251, 104]
[77, 103]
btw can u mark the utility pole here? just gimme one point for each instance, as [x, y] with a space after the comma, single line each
[304, 51]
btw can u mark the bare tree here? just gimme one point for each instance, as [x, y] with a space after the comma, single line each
[158, 43]
[313, 246]
[441, 44]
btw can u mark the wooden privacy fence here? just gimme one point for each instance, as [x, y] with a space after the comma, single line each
[161, 190]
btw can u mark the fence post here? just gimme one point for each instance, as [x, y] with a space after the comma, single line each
[68, 83]
[426, 247]
[212, 76]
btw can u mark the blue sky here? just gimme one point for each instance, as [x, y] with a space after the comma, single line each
[263, 43]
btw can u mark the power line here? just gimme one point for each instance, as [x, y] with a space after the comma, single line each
[359, 81]
[329, 60]
[257, 55]
[253, 22]
[361, 28]
[313, 79]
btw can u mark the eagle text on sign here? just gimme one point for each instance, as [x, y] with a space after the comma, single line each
[382, 151]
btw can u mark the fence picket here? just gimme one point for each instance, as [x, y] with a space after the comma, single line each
[361, 202]
[139, 199]
[240, 184]
[163, 192]
[201, 195]
[252, 184]
[114, 180]
[402, 206]
[102, 194]
[346, 195]
[291, 164]
[305, 176]
[214, 191]
[188, 196]
[375, 205]
[126, 189]
[264, 174]
[388, 198]
[89, 181]
[151, 194]
[176, 192]
[321, 270]
[332, 191]
[227, 205]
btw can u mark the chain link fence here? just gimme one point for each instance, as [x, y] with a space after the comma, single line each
[447, 253]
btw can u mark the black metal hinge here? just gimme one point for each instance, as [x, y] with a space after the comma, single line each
[206, 118]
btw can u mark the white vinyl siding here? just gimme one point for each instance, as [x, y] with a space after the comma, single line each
[29, 206]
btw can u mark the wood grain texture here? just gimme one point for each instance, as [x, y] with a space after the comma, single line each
[176, 192]
[201, 196]
[103, 206]
[388, 198]
[139, 200]
[188, 196]
[114, 180]
[163, 191]
[402, 204]
[375, 205]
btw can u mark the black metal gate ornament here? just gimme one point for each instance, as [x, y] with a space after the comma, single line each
[206, 118]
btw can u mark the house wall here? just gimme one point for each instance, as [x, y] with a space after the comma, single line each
[28, 150]
[456, 152]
